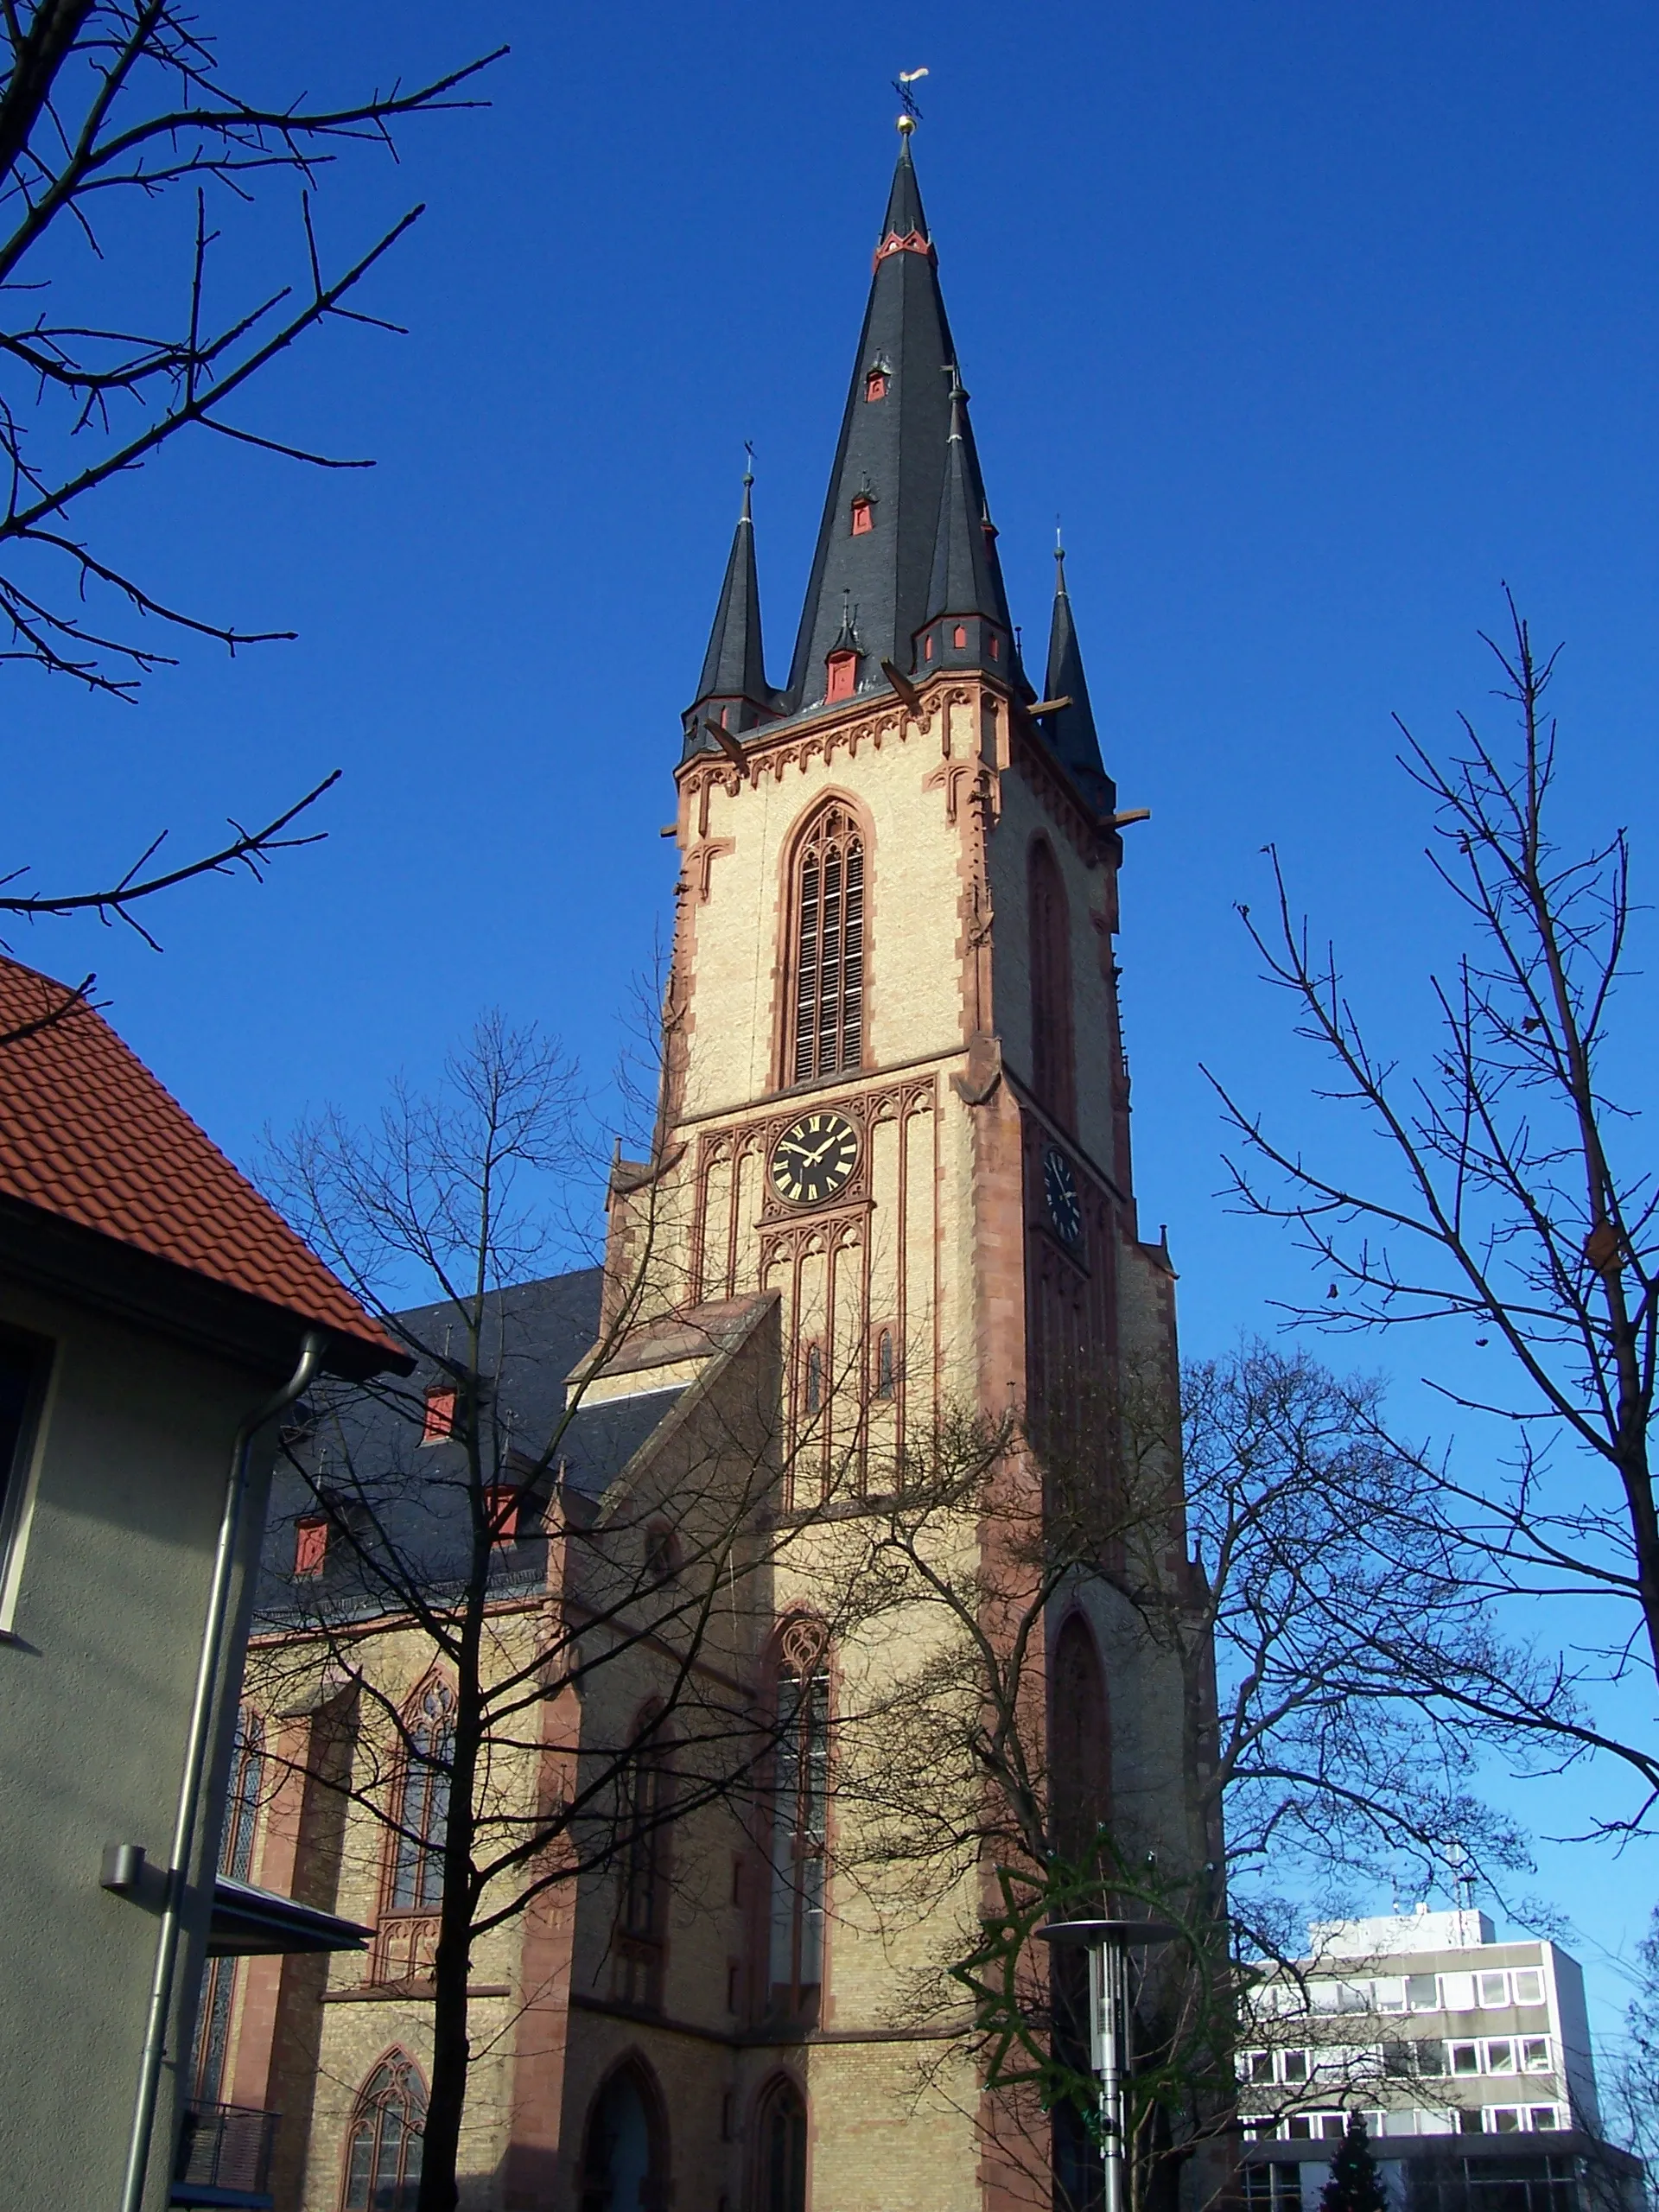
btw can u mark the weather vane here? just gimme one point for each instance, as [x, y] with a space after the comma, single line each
[901, 85]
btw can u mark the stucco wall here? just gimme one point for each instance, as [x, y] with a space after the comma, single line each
[129, 1477]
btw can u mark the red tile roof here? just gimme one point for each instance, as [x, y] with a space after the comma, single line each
[88, 1133]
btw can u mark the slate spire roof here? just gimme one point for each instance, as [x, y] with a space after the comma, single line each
[1072, 731]
[892, 454]
[967, 579]
[733, 669]
[906, 568]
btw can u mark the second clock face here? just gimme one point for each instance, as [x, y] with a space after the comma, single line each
[1060, 1189]
[814, 1158]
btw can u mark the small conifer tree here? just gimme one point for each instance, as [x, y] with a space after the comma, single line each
[1353, 2186]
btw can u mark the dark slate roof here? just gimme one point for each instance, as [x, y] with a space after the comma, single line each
[967, 576]
[931, 550]
[892, 451]
[734, 668]
[366, 1444]
[1072, 731]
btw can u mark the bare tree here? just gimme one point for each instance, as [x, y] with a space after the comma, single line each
[1511, 1198]
[107, 106]
[596, 1638]
[1320, 1764]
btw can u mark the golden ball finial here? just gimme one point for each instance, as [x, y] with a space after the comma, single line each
[906, 124]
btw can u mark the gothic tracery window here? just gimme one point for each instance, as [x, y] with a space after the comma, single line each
[1053, 1076]
[423, 1802]
[827, 963]
[800, 1804]
[236, 1860]
[383, 2149]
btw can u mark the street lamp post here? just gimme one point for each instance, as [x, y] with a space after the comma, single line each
[1109, 1943]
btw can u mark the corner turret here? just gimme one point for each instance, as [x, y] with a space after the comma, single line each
[733, 690]
[1071, 731]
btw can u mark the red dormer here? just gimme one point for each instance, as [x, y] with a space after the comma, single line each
[842, 676]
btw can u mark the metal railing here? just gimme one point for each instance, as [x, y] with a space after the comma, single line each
[225, 2147]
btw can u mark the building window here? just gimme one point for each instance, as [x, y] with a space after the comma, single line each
[1494, 1991]
[863, 518]
[1529, 1986]
[23, 1373]
[423, 1799]
[812, 1388]
[842, 670]
[383, 2151]
[1535, 2054]
[827, 998]
[236, 1860]
[997, 646]
[438, 1420]
[927, 646]
[883, 1376]
[959, 636]
[644, 1791]
[1500, 2055]
[1080, 1749]
[780, 2150]
[1053, 1076]
[310, 1543]
[875, 385]
[800, 1791]
[1465, 2057]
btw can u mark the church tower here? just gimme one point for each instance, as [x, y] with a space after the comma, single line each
[897, 1091]
[896, 1097]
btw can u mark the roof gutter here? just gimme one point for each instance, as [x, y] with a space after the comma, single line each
[209, 1667]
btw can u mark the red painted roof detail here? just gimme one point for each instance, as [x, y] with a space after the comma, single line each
[87, 1133]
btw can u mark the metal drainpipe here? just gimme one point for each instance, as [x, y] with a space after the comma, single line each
[195, 1761]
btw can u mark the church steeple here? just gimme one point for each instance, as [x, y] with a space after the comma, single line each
[733, 689]
[1071, 731]
[875, 549]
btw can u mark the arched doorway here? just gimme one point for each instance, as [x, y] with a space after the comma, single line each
[780, 2149]
[624, 2163]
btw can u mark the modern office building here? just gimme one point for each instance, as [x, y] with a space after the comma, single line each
[1469, 2059]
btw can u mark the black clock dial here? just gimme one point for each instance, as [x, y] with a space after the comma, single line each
[814, 1158]
[1060, 1189]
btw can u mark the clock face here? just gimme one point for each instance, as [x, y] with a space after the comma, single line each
[814, 1158]
[1060, 1189]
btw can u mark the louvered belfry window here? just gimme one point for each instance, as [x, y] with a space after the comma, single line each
[828, 993]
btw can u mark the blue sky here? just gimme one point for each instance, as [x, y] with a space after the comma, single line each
[1315, 323]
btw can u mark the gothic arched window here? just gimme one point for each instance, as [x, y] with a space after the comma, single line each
[423, 1801]
[826, 967]
[383, 2149]
[1053, 1070]
[799, 1816]
[644, 1790]
[1079, 1761]
[236, 1860]
[780, 2149]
